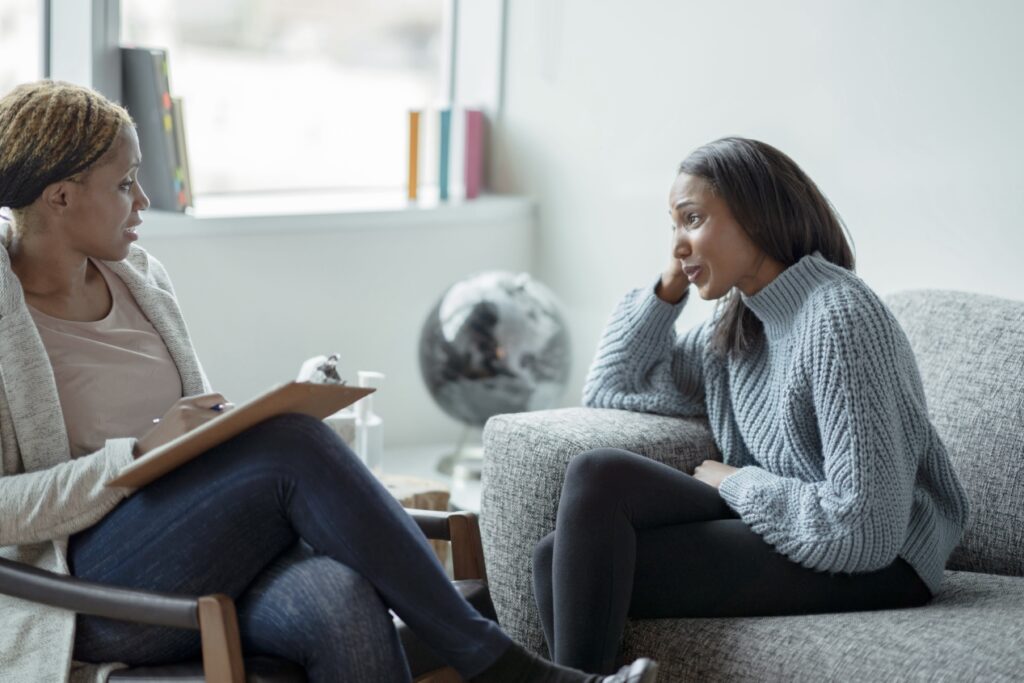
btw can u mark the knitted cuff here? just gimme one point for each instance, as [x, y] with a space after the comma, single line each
[650, 314]
[739, 487]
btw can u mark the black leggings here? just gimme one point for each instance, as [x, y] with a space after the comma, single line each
[638, 538]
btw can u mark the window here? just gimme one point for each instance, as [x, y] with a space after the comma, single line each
[297, 95]
[20, 42]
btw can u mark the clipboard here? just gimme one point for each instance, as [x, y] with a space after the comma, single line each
[318, 400]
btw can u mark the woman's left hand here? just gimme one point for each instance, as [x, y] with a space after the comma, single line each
[712, 472]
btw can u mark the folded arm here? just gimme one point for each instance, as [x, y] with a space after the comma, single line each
[643, 365]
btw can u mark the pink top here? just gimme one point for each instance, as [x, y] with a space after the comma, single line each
[113, 375]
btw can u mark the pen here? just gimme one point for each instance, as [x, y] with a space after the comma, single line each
[216, 408]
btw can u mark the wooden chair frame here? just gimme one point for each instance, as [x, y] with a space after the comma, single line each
[214, 615]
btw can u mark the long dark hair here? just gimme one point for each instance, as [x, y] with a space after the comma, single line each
[778, 207]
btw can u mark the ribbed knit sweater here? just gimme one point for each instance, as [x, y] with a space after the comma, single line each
[841, 469]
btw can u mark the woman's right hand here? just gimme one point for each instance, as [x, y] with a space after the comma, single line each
[674, 282]
[184, 416]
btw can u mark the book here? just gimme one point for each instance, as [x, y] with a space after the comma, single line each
[474, 152]
[443, 153]
[414, 153]
[147, 97]
[318, 400]
[183, 174]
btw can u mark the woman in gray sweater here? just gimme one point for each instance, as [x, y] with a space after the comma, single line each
[283, 518]
[835, 492]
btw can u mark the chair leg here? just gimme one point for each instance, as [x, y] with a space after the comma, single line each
[222, 647]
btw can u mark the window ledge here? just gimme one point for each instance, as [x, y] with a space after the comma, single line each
[290, 213]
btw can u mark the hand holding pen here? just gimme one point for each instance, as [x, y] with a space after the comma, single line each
[184, 416]
[217, 408]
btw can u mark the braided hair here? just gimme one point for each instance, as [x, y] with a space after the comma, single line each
[51, 131]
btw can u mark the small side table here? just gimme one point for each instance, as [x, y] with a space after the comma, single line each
[422, 494]
[421, 461]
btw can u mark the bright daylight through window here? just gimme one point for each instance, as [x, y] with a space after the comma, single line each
[20, 42]
[297, 95]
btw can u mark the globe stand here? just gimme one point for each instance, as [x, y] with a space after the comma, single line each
[466, 462]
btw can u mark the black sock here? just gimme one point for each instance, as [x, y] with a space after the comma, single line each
[517, 665]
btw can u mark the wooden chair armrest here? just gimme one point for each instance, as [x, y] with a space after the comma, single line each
[86, 597]
[212, 615]
[463, 530]
[221, 642]
[433, 523]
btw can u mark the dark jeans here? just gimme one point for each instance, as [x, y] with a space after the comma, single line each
[285, 519]
[638, 538]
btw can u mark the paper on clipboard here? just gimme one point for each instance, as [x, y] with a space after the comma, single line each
[318, 400]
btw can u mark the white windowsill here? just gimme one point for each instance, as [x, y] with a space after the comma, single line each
[315, 212]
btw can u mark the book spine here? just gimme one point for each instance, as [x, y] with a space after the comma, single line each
[414, 153]
[184, 172]
[143, 98]
[167, 120]
[474, 152]
[445, 146]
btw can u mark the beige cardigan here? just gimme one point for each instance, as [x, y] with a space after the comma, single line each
[45, 496]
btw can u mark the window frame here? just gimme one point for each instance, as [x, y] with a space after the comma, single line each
[81, 39]
[80, 43]
[42, 55]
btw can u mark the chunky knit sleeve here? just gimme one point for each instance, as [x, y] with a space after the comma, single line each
[643, 365]
[872, 424]
[63, 499]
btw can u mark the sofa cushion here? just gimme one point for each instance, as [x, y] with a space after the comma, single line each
[970, 349]
[971, 631]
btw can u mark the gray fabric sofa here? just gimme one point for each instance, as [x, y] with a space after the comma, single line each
[970, 349]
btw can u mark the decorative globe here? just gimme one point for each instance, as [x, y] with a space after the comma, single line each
[495, 343]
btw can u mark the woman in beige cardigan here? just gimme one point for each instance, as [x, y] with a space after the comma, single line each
[92, 345]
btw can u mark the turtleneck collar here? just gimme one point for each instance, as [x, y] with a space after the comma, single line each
[777, 303]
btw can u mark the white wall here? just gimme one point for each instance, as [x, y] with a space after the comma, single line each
[907, 114]
[261, 295]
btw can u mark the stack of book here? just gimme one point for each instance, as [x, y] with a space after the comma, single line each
[470, 162]
[164, 173]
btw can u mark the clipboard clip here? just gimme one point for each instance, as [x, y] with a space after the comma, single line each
[321, 370]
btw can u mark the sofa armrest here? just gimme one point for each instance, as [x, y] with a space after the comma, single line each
[525, 458]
